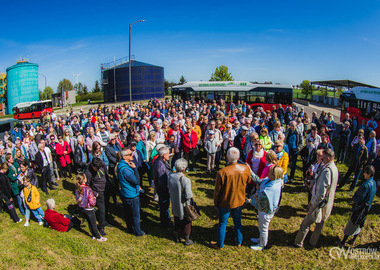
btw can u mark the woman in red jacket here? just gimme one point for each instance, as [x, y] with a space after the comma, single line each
[256, 158]
[57, 221]
[189, 144]
[63, 153]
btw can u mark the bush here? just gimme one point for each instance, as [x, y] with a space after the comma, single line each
[89, 96]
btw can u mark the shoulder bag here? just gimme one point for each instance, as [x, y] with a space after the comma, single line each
[191, 211]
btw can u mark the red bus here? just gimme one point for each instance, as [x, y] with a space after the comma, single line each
[363, 102]
[33, 109]
[255, 95]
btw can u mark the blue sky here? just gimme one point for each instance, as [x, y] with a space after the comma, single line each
[278, 41]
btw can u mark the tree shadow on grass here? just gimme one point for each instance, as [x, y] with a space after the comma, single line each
[208, 192]
[287, 212]
[294, 187]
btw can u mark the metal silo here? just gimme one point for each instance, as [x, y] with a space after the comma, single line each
[147, 81]
[22, 83]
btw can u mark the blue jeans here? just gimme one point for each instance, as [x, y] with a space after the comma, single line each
[224, 214]
[132, 209]
[37, 213]
[20, 205]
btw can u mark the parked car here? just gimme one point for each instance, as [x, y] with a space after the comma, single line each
[8, 125]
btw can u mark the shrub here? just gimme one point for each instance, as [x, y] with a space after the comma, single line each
[90, 96]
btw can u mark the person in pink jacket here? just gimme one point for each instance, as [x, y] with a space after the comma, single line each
[63, 154]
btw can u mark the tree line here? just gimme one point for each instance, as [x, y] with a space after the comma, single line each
[66, 85]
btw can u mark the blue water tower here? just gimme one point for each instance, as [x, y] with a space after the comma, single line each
[22, 84]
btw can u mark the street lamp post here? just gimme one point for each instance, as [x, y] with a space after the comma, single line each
[130, 73]
[44, 77]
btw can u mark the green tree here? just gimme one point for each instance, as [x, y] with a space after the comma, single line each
[307, 88]
[46, 94]
[96, 89]
[79, 88]
[64, 85]
[221, 74]
[85, 91]
[168, 85]
[182, 80]
[339, 90]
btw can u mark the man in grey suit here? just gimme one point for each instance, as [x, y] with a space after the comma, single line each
[322, 200]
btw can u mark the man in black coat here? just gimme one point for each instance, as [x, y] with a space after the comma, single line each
[344, 142]
[240, 142]
[161, 171]
[43, 167]
[80, 155]
[96, 180]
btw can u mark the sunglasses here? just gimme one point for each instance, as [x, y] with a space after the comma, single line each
[276, 146]
[257, 144]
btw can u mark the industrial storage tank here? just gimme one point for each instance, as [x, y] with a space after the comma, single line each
[147, 81]
[22, 84]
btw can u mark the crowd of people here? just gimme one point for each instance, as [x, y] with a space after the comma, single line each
[121, 151]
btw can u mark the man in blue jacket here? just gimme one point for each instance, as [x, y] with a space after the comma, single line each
[129, 181]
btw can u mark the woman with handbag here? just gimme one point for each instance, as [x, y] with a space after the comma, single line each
[87, 201]
[180, 196]
[363, 199]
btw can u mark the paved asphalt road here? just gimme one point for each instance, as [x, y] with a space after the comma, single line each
[315, 107]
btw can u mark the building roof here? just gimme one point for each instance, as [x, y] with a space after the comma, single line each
[122, 63]
[21, 64]
[225, 86]
[364, 93]
[341, 83]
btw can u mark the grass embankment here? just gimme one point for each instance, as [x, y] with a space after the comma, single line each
[37, 247]
[297, 93]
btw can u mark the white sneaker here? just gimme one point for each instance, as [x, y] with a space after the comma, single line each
[257, 247]
[19, 220]
[26, 224]
[101, 239]
[41, 223]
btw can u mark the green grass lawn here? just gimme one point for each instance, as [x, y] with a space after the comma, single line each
[297, 93]
[37, 247]
[6, 116]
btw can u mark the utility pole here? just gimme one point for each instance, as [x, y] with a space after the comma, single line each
[130, 71]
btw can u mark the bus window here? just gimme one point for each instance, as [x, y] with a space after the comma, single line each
[241, 95]
[270, 97]
[256, 97]
[209, 96]
[229, 97]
